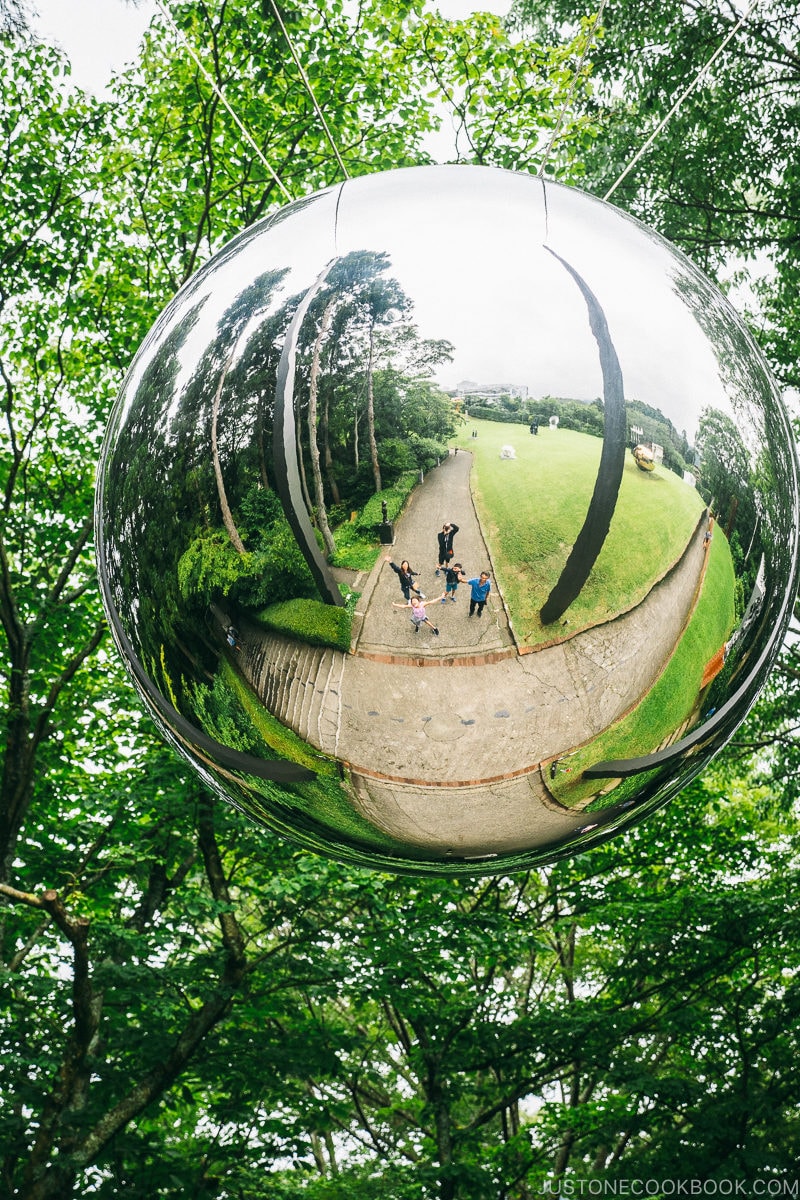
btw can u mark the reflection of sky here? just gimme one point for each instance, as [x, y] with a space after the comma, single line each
[466, 244]
[303, 243]
[475, 265]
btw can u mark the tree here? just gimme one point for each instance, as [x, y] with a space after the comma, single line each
[189, 1006]
[720, 180]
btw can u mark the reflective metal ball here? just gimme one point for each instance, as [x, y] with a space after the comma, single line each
[356, 614]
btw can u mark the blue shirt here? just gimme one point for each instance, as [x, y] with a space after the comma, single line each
[480, 590]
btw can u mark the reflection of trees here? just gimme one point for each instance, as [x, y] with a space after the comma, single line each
[361, 362]
[726, 483]
[756, 408]
[178, 474]
[191, 513]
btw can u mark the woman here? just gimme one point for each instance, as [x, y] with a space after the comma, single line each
[407, 577]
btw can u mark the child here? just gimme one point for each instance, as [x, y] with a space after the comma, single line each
[453, 576]
[418, 614]
[407, 577]
[480, 592]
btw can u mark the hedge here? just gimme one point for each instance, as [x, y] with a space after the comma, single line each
[310, 621]
[395, 496]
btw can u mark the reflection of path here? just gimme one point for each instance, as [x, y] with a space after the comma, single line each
[444, 747]
[443, 496]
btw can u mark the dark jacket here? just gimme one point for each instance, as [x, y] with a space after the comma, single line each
[446, 542]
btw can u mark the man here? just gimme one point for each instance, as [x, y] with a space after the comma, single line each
[480, 592]
[445, 539]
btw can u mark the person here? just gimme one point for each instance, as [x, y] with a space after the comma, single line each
[452, 577]
[406, 577]
[418, 614]
[232, 637]
[480, 592]
[445, 539]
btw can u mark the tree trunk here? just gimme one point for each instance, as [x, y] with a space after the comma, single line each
[227, 515]
[327, 457]
[373, 445]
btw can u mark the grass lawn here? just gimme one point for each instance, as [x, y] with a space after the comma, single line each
[674, 696]
[531, 509]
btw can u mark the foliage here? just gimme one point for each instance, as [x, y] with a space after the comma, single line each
[720, 180]
[189, 1006]
[309, 620]
[393, 497]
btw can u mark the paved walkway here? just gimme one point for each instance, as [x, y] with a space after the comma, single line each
[448, 758]
[443, 496]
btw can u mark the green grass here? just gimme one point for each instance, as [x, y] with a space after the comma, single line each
[355, 549]
[531, 509]
[674, 696]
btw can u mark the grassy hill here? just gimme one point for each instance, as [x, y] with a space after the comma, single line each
[532, 507]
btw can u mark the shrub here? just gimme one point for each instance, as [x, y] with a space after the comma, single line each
[310, 621]
[395, 496]
[395, 457]
[209, 566]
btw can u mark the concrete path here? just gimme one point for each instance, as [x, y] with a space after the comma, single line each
[444, 736]
[443, 496]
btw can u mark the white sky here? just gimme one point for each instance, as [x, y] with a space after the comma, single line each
[102, 36]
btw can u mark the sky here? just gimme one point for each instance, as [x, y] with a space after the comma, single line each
[101, 36]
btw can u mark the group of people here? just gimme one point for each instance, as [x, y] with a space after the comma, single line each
[453, 574]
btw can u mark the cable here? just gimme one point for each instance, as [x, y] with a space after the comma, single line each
[643, 149]
[310, 90]
[568, 100]
[220, 94]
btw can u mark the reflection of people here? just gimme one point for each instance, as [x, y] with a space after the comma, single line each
[445, 539]
[453, 576]
[406, 577]
[480, 592]
[418, 614]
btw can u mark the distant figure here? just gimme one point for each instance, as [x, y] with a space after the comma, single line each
[418, 614]
[406, 577]
[232, 637]
[707, 537]
[452, 577]
[480, 592]
[534, 427]
[508, 452]
[554, 422]
[445, 540]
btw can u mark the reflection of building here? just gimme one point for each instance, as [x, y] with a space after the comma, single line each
[470, 390]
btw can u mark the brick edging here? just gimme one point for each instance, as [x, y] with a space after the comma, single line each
[409, 781]
[416, 660]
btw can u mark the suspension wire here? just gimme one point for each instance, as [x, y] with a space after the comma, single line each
[221, 96]
[310, 90]
[565, 107]
[678, 103]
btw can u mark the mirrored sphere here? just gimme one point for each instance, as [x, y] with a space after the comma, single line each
[447, 521]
